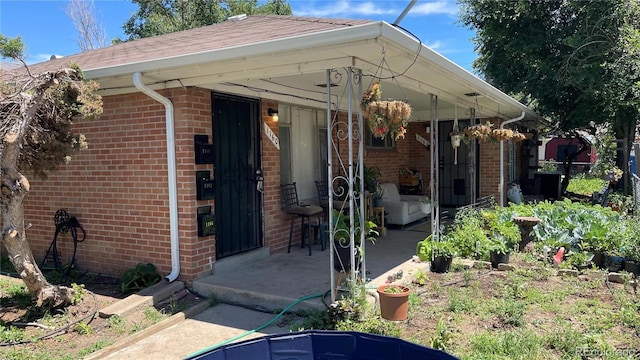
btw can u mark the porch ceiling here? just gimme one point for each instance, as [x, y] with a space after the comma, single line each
[293, 70]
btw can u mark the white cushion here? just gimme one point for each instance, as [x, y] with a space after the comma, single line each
[390, 192]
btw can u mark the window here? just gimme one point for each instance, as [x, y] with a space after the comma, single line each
[303, 149]
[377, 143]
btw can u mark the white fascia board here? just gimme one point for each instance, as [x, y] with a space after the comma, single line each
[306, 41]
[409, 43]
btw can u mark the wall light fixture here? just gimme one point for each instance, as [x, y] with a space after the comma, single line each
[273, 113]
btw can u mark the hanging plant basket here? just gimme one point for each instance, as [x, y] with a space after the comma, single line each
[385, 117]
[486, 133]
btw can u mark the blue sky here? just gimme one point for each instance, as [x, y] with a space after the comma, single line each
[47, 30]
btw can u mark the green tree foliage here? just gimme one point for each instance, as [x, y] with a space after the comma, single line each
[565, 58]
[167, 16]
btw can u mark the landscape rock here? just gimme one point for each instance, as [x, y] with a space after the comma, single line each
[506, 267]
[568, 272]
[485, 265]
[618, 278]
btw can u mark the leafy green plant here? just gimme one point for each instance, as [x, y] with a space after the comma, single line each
[395, 289]
[11, 334]
[213, 299]
[18, 293]
[583, 185]
[118, 324]
[83, 328]
[620, 202]
[371, 325]
[468, 234]
[342, 228]
[153, 315]
[549, 166]
[446, 247]
[313, 319]
[504, 234]
[138, 278]
[98, 345]
[510, 312]
[420, 278]
[442, 338]
[78, 294]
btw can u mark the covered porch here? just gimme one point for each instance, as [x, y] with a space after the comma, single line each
[278, 280]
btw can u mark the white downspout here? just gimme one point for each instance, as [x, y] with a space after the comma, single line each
[502, 156]
[171, 170]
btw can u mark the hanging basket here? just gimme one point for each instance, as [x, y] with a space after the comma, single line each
[485, 132]
[384, 117]
[387, 117]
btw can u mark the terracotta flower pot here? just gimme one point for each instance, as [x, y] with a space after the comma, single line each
[394, 305]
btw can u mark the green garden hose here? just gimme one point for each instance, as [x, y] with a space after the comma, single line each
[267, 324]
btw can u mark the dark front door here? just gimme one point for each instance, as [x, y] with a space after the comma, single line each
[236, 139]
[455, 174]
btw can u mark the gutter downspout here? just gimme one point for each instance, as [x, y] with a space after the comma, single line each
[502, 156]
[171, 170]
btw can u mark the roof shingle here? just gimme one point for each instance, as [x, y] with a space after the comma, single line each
[253, 29]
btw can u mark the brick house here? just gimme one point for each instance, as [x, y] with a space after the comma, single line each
[212, 91]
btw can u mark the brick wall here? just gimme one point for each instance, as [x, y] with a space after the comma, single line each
[276, 222]
[117, 188]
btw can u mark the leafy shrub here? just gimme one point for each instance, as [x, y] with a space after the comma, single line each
[138, 278]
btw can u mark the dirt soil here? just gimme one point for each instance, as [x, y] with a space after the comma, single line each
[434, 301]
[76, 330]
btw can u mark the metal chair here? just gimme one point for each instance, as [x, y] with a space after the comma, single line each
[323, 197]
[292, 207]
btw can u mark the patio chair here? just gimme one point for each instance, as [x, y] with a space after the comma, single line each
[292, 206]
[323, 199]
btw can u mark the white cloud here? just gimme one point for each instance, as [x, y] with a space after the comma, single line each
[435, 8]
[435, 45]
[344, 8]
[351, 9]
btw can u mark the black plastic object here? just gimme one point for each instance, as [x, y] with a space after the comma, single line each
[325, 345]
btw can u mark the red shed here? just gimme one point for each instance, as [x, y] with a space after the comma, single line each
[556, 149]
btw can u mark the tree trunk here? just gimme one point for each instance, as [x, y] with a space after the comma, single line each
[14, 188]
[15, 241]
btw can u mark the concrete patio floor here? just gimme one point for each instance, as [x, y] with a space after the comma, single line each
[269, 285]
[281, 279]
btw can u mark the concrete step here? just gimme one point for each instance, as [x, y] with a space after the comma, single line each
[253, 300]
[146, 297]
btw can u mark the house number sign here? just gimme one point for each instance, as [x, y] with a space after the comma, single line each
[272, 136]
[422, 140]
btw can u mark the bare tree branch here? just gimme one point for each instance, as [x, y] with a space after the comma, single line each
[91, 33]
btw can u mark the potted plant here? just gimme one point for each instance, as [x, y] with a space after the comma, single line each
[631, 252]
[439, 252]
[425, 205]
[443, 253]
[498, 251]
[377, 196]
[342, 239]
[504, 235]
[394, 301]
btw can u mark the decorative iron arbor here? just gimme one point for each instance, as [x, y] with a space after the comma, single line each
[345, 167]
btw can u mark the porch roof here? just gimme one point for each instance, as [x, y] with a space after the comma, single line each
[286, 57]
